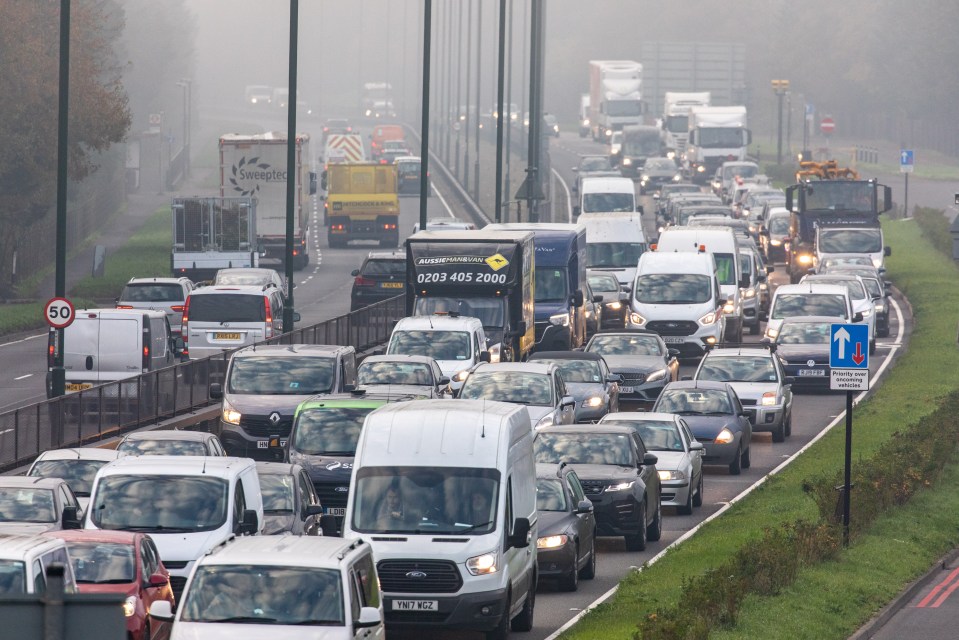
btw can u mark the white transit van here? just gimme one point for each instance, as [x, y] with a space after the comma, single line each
[614, 242]
[445, 492]
[607, 195]
[678, 295]
[723, 244]
[106, 345]
[188, 504]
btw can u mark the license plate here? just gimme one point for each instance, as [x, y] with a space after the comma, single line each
[226, 336]
[78, 386]
[627, 389]
[812, 372]
[334, 511]
[391, 285]
[673, 339]
[415, 605]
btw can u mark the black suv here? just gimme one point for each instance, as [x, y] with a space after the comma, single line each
[382, 276]
[618, 476]
[263, 387]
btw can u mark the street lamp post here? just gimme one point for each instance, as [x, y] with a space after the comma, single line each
[459, 93]
[479, 79]
[466, 122]
[509, 116]
[425, 117]
[185, 84]
[501, 114]
[780, 87]
[291, 164]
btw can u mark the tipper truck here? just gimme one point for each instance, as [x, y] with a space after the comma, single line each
[210, 234]
[716, 134]
[676, 107]
[255, 166]
[361, 203]
[615, 96]
[489, 275]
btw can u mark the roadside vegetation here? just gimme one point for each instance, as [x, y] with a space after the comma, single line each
[772, 566]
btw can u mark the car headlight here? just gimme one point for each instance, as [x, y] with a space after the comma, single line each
[729, 307]
[725, 437]
[776, 243]
[677, 177]
[559, 320]
[460, 376]
[671, 154]
[495, 352]
[635, 318]
[878, 307]
[866, 313]
[585, 122]
[609, 133]
[709, 318]
[769, 399]
[551, 542]
[700, 169]
[659, 374]
[805, 258]
[627, 162]
[230, 415]
[620, 486]
[545, 421]
[750, 293]
[593, 401]
[616, 306]
[556, 128]
[645, 178]
[671, 474]
[130, 606]
[482, 565]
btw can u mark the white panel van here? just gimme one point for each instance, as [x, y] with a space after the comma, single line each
[614, 242]
[607, 195]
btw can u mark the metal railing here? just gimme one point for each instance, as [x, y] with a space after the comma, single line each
[111, 409]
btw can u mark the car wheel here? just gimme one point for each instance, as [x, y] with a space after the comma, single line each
[686, 508]
[789, 424]
[745, 461]
[698, 498]
[779, 433]
[589, 571]
[735, 467]
[570, 582]
[655, 531]
[524, 619]
[637, 542]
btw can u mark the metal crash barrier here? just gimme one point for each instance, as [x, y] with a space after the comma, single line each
[111, 409]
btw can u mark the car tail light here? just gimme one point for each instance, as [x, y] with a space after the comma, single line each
[147, 337]
[183, 327]
[389, 226]
[269, 318]
[360, 281]
[178, 308]
[296, 252]
[124, 306]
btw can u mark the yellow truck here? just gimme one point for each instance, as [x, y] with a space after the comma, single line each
[361, 204]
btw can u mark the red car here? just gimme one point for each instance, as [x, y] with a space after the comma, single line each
[121, 562]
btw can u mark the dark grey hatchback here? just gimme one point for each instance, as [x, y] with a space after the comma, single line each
[566, 546]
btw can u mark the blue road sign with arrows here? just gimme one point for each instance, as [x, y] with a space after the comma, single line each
[906, 161]
[849, 346]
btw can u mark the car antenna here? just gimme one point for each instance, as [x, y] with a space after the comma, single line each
[203, 471]
[483, 432]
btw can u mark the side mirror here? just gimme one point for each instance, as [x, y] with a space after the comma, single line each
[887, 251]
[70, 519]
[673, 352]
[216, 391]
[640, 210]
[578, 298]
[328, 525]
[355, 272]
[443, 381]
[614, 377]
[313, 510]
[521, 327]
[249, 525]
[567, 401]
[649, 459]
[857, 317]
[161, 610]
[520, 537]
[179, 346]
[696, 446]
[584, 506]
[158, 580]
[369, 617]
[770, 268]
[296, 317]
[597, 298]
[484, 356]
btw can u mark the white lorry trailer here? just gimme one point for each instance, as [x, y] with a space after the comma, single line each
[676, 106]
[716, 135]
[210, 234]
[615, 96]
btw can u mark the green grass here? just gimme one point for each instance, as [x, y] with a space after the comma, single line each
[921, 378]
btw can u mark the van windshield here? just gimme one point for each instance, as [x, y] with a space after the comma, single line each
[12, 577]
[160, 503]
[227, 308]
[426, 500]
[439, 345]
[850, 240]
[613, 254]
[673, 288]
[607, 202]
[328, 431]
[281, 376]
[550, 285]
[789, 305]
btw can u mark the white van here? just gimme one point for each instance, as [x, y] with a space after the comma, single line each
[280, 587]
[678, 296]
[607, 195]
[106, 345]
[455, 342]
[188, 504]
[723, 244]
[24, 560]
[614, 242]
[808, 299]
[445, 491]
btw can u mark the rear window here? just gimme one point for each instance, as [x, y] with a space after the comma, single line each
[384, 268]
[152, 293]
[227, 308]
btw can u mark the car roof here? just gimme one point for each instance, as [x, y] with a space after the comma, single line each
[564, 355]
[275, 468]
[303, 350]
[158, 280]
[212, 466]
[697, 384]
[296, 551]
[727, 352]
[233, 289]
[30, 482]
[599, 427]
[358, 399]
[79, 453]
[437, 322]
[543, 368]
[810, 319]
[115, 536]
[386, 255]
[399, 358]
[638, 415]
[185, 436]
[811, 287]
[15, 545]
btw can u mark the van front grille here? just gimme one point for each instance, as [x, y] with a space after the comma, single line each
[261, 427]
[673, 327]
[419, 576]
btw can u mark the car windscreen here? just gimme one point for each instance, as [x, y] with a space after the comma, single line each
[328, 430]
[519, 387]
[584, 448]
[277, 492]
[613, 254]
[280, 375]
[804, 333]
[391, 372]
[102, 562]
[673, 288]
[741, 170]
[27, 504]
[657, 164]
[380, 267]
[657, 435]
[266, 595]
[79, 474]
[737, 369]
[595, 164]
[490, 311]
[850, 240]
[577, 370]
[603, 284]
[779, 226]
[227, 308]
[162, 447]
[160, 503]
[550, 285]
[789, 305]
[626, 345]
[405, 169]
[694, 401]
[439, 345]
[152, 292]
[607, 202]
[550, 495]
[425, 500]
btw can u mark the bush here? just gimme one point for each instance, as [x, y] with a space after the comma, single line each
[935, 229]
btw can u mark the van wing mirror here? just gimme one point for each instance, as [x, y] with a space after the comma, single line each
[640, 210]
[597, 298]
[584, 506]
[216, 391]
[887, 251]
[249, 525]
[369, 617]
[161, 610]
[484, 356]
[520, 537]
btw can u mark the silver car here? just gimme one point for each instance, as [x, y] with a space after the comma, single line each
[161, 294]
[538, 385]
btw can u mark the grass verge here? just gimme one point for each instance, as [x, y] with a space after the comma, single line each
[907, 393]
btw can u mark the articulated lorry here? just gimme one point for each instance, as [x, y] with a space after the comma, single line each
[676, 107]
[716, 135]
[489, 275]
[255, 166]
[361, 204]
[212, 233]
[615, 96]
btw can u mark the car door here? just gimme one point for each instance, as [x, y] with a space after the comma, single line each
[612, 388]
[564, 414]
[695, 456]
[587, 521]
[308, 498]
[649, 475]
[744, 424]
[787, 388]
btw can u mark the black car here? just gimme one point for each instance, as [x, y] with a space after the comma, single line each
[803, 347]
[656, 173]
[588, 379]
[382, 276]
[566, 542]
[290, 504]
[618, 476]
[615, 300]
[641, 358]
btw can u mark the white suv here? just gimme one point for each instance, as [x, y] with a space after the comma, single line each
[294, 586]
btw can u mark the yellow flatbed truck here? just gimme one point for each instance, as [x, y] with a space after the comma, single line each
[362, 204]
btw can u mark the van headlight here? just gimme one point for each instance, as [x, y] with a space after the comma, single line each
[559, 320]
[230, 415]
[616, 306]
[551, 542]
[709, 318]
[659, 374]
[729, 307]
[866, 313]
[635, 318]
[700, 169]
[776, 243]
[482, 565]
[677, 177]
[771, 333]
[627, 162]
[805, 259]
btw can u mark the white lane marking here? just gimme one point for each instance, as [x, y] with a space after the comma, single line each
[24, 376]
[7, 344]
[443, 201]
[785, 463]
[569, 198]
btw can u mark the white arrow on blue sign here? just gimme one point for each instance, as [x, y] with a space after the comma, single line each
[849, 346]
[906, 161]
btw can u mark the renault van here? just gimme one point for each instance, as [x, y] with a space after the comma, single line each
[445, 492]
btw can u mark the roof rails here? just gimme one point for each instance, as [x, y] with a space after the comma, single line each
[770, 346]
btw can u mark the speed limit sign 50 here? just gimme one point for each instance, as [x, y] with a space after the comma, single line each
[59, 313]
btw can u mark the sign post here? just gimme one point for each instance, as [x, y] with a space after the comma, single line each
[906, 165]
[59, 314]
[827, 125]
[849, 372]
